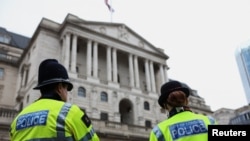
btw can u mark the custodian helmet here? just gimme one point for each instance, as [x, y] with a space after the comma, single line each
[169, 87]
[50, 72]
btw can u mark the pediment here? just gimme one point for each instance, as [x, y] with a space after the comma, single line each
[117, 31]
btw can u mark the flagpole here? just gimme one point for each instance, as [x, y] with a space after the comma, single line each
[111, 12]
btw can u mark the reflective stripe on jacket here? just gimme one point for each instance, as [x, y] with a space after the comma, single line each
[52, 120]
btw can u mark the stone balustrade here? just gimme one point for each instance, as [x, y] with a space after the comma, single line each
[100, 126]
[7, 115]
[116, 128]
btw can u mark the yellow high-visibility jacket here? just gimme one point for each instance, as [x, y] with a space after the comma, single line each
[184, 126]
[52, 120]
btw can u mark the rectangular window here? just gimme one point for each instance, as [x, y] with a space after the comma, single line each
[4, 38]
[26, 78]
[104, 116]
[104, 96]
[148, 123]
[1, 73]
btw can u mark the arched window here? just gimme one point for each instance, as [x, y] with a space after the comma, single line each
[81, 92]
[146, 105]
[104, 96]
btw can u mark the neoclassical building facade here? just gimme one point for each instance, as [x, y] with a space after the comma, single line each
[116, 73]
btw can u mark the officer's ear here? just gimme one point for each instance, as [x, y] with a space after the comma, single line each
[165, 106]
[187, 101]
[59, 88]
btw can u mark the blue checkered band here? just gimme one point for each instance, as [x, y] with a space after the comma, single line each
[212, 120]
[158, 133]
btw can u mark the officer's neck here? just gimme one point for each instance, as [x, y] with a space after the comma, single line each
[176, 110]
[51, 95]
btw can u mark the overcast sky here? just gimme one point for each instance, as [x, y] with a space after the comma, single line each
[199, 36]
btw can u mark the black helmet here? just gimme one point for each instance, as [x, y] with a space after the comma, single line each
[50, 72]
[169, 87]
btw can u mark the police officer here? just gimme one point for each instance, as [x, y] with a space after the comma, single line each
[182, 124]
[51, 118]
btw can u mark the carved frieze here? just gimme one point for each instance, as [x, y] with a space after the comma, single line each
[103, 30]
[123, 33]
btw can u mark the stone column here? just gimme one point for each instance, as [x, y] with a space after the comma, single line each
[109, 64]
[95, 60]
[89, 58]
[63, 50]
[131, 70]
[137, 82]
[147, 76]
[66, 46]
[73, 54]
[162, 74]
[114, 65]
[152, 74]
[166, 73]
